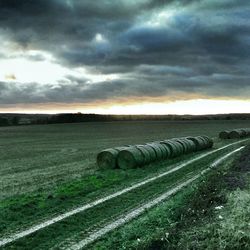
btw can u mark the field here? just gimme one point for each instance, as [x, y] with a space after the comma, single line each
[46, 170]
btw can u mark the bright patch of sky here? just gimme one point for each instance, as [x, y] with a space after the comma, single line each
[20, 67]
[162, 18]
[195, 107]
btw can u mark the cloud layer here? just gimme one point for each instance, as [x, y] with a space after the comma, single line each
[155, 48]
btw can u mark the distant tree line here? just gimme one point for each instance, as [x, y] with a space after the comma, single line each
[26, 119]
[9, 121]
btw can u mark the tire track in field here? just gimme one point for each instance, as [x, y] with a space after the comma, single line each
[138, 211]
[92, 204]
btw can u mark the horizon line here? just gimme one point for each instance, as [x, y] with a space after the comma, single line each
[81, 113]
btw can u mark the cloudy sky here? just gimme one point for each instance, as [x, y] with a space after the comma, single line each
[126, 56]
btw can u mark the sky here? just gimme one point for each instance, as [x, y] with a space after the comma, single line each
[125, 57]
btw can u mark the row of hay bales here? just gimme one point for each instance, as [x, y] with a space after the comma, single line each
[235, 133]
[131, 156]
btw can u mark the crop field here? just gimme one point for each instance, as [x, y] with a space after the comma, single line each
[53, 196]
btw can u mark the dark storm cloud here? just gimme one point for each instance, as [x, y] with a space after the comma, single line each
[192, 35]
[73, 20]
[163, 70]
[202, 48]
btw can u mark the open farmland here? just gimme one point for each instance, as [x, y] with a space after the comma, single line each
[46, 170]
[39, 157]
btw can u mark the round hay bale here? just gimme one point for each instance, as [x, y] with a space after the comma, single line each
[205, 142]
[151, 151]
[108, 158]
[190, 145]
[179, 146]
[236, 134]
[157, 149]
[247, 131]
[130, 157]
[145, 152]
[164, 149]
[183, 144]
[210, 141]
[167, 150]
[244, 133]
[173, 148]
[224, 134]
[200, 142]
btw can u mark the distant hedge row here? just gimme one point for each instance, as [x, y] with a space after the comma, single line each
[235, 133]
[132, 156]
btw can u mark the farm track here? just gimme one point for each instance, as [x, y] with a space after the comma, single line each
[107, 198]
[140, 210]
